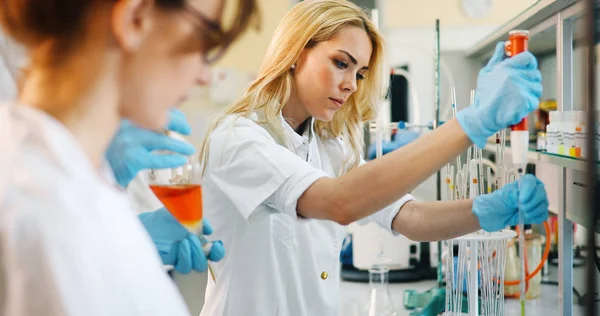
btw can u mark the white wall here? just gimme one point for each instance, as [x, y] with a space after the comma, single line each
[422, 13]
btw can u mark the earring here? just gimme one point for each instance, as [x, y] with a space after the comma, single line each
[293, 66]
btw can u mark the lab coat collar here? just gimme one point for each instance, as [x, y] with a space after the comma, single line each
[296, 139]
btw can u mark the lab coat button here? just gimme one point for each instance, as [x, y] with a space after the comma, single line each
[324, 275]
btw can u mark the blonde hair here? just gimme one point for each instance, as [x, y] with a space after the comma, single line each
[305, 25]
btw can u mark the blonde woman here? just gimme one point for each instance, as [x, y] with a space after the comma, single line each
[284, 174]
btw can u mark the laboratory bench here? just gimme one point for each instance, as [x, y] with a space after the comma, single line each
[354, 295]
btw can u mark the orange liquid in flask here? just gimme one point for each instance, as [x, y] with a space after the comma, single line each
[184, 202]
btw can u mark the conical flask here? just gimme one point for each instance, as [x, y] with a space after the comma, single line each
[380, 303]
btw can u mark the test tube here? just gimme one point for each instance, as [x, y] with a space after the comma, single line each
[447, 172]
[458, 184]
[473, 183]
[453, 95]
[489, 180]
[452, 190]
[481, 184]
[454, 112]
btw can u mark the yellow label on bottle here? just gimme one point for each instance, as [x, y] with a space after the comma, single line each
[572, 152]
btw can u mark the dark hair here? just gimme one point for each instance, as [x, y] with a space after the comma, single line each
[31, 22]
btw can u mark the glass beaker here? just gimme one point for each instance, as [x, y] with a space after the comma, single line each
[380, 303]
[180, 191]
[181, 194]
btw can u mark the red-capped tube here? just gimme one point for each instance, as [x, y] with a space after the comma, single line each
[517, 43]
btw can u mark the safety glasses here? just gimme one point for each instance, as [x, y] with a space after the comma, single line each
[214, 40]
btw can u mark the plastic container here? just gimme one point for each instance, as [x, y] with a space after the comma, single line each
[570, 122]
[581, 134]
[534, 242]
[552, 132]
[542, 141]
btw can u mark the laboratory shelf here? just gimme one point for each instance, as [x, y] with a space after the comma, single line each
[534, 156]
[565, 161]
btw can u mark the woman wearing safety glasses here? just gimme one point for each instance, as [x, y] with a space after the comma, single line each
[69, 242]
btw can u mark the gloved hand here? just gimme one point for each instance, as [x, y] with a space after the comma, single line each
[402, 138]
[176, 245]
[499, 209]
[132, 149]
[507, 91]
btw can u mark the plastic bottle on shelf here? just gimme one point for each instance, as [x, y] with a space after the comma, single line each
[552, 132]
[560, 134]
[581, 134]
[570, 119]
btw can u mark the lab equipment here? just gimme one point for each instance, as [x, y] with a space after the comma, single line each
[569, 133]
[458, 262]
[184, 201]
[401, 125]
[581, 135]
[561, 137]
[480, 261]
[552, 132]
[454, 113]
[519, 136]
[133, 149]
[534, 260]
[406, 125]
[182, 197]
[380, 300]
[401, 138]
[541, 141]
[507, 91]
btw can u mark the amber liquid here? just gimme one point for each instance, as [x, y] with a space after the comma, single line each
[183, 201]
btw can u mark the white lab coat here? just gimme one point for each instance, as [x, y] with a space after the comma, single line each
[276, 262]
[69, 242]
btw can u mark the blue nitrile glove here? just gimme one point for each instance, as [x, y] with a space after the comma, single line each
[402, 138]
[499, 209]
[132, 148]
[176, 245]
[508, 89]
